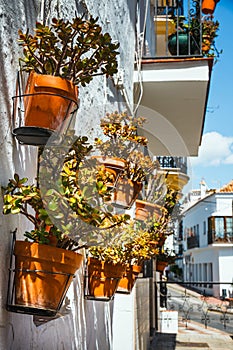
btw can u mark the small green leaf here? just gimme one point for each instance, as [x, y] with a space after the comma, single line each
[15, 211]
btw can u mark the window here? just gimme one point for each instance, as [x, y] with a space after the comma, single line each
[197, 232]
[196, 273]
[194, 230]
[220, 229]
[205, 274]
[204, 227]
[200, 273]
[210, 273]
[229, 227]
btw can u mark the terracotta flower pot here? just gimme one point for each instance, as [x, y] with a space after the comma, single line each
[113, 165]
[206, 43]
[43, 274]
[208, 6]
[128, 281]
[160, 265]
[51, 100]
[126, 193]
[103, 278]
[145, 209]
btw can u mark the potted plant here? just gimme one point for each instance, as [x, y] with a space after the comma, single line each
[184, 40]
[138, 247]
[59, 57]
[209, 33]
[154, 190]
[137, 243]
[123, 153]
[190, 39]
[103, 273]
[75, 190]
[165, 256]
[44, 261]
[44, 268]
[120, 253]
[163, 259]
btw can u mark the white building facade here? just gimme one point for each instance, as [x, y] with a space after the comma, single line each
[208, 242]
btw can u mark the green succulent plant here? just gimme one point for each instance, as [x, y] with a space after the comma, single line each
[121, 130]
[63, 200]
[18, 197]
[202, 32]
[133, 246]
[138, 242]
[125, 143]
[166, 255]
[76, 50]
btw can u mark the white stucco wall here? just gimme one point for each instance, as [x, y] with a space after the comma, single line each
[220, 255]
[198, 214]
[224, 204]
[88, 325]
[225, 268]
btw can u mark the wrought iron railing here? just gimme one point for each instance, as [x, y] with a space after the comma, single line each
[173, 162]
[193, 242]
[196, 307]
[177, 29]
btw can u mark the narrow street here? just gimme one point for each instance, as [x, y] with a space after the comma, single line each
[194, 337]
[202, 323]
[191, 306]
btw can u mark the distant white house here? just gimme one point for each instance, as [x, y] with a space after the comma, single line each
[207, 237]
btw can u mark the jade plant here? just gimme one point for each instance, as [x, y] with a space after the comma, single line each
[166, 255]
[202, 31]
[139, 166]
[209, 33]
[19, 197]
[76, 50]
[155, 188]
[62, 214]
[124, 142]
[121, 131]
[139, 241]
[207, 27]
[132, 247]
[171, 209]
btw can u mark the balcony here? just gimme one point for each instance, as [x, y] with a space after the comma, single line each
[226, 237]
[176, 171]
[173, 162]
[178, 26]
[193, 242]
[172, 86]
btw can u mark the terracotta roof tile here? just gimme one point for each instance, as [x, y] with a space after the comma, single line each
[228, 187]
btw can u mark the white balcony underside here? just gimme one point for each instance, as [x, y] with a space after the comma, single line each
[174, 103]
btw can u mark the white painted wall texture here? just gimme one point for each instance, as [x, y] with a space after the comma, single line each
[220, 255]
[88, 325]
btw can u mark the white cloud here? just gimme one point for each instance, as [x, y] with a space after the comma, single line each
[215, 150]
[229, 160]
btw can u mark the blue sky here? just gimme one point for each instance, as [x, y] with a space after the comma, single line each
[215, 160]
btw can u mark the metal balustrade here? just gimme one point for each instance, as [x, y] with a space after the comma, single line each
[193, 242]
[193, 306]
[177, 30]
[174, 162]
